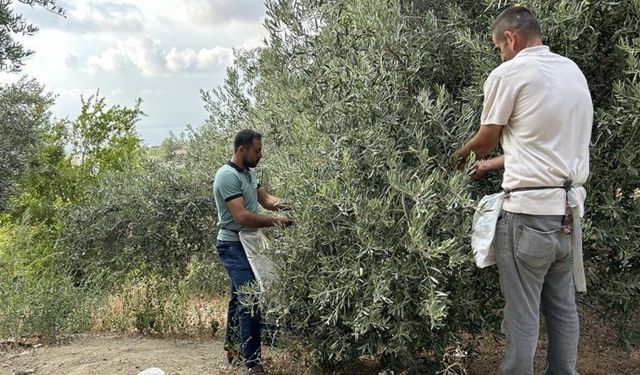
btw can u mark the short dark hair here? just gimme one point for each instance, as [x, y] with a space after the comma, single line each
[516, 19]
[245, 137]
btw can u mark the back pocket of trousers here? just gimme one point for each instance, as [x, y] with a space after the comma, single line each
[536, 248]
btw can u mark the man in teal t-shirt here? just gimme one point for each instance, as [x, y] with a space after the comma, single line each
[237, 194]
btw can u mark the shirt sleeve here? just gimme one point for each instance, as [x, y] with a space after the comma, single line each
[228, 186]
[499, 98]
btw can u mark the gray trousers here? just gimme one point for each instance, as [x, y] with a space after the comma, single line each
[535, 265]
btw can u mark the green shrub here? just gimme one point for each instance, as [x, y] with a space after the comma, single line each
[24, 111]
[37, 294]
[154, 218]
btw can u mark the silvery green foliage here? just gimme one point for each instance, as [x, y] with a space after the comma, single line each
[370, 101]
[153, 218]
[362, 103]
[23, 113]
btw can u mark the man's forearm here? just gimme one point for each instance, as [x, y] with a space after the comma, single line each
[463, 153]
[478, 146]
[481, 167]
[253, 220]
[274, 204]
[482, 144]
[493, 163]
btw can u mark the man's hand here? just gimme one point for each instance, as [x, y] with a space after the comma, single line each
[269, 202]
[283, 221]
[482, 144]
[479, 170]
[481, 167]
[460, 158]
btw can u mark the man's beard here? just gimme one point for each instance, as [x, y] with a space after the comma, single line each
[249, 164]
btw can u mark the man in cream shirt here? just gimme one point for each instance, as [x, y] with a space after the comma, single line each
[537, 105]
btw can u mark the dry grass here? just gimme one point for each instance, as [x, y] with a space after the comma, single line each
[174, 316]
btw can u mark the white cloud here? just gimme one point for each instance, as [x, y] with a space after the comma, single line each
[184, 60]
[106, 17]
[110, 60]
[151, 59]
[206, 59]
[217, 12]
[91, 17]
[215, 58]
[144, 56]
[164, 10]
[147, 55]
[72, 61]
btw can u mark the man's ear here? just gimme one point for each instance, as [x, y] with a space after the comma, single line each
[510, 37]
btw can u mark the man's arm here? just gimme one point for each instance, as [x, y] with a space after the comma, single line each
[269, 202]
[483, 166]
[482, 144]
[246, 218]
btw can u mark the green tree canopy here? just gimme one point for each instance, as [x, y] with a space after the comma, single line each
[74, 155]
[24, 111]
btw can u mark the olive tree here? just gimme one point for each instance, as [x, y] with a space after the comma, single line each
[24, 111]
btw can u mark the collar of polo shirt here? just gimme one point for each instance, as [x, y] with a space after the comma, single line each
[237, 167]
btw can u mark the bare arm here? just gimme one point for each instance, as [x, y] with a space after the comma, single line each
[246, 218]
[481, 167]
[269, 202]
[485, 141]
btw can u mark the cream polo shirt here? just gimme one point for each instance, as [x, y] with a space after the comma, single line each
[543, 101]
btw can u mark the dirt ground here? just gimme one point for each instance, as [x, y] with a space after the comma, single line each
[598, 352]
[128, 355]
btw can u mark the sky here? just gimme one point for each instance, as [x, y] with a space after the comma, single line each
[159, 50]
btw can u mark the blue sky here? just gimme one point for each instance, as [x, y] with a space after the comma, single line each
[159, 50]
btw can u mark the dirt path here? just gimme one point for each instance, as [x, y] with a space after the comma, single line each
[111, 354]
[117, 355]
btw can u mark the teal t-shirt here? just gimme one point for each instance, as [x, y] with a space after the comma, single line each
[231, 182]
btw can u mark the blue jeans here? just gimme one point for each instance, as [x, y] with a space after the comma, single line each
[247, 317]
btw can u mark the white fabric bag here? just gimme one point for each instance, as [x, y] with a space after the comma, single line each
[484, 229]
[575, 202]
[255, 243]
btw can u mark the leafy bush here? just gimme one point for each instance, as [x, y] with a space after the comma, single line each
[37, 295]
[154, 219]
[23, 114]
